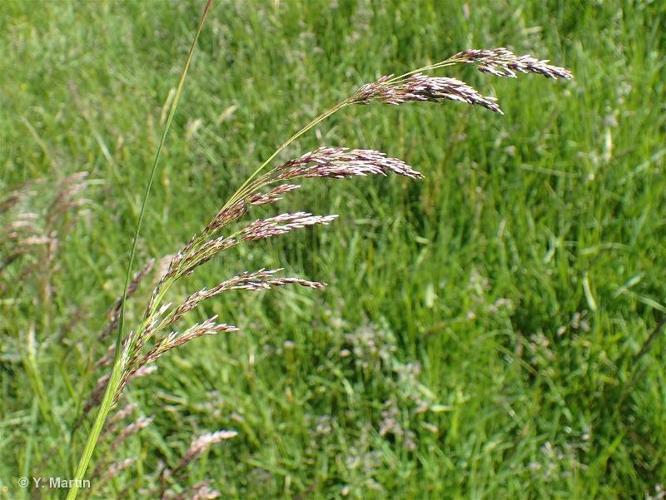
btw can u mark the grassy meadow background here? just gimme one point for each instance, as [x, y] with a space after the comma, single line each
[488, 332]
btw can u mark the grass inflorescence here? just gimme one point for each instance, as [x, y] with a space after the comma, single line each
[491, 330]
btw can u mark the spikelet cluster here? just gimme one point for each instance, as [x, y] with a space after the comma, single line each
[159, 330]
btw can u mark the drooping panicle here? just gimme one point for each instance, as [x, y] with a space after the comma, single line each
[340, 163]
[282, 224]
[502, 62]
[262, 279]
[176, 339]
[226, 216]
[147, 342]
[422, 88]
[273, 195]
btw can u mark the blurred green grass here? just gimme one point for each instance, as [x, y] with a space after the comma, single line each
[490, 315]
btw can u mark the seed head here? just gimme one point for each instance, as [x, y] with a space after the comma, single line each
[340, 163]
[282, 224]
[273, 195]
[502, 62]
[423, 88]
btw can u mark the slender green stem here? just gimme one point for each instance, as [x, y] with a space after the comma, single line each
[116, 373]
[149, 185]
[242, 191]
[251, 184]
[442, 64]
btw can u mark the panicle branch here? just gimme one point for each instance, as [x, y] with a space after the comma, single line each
[415, 86]
[340, 163]
[176, 339]
[258, 280]
[282, 224]
[504, 63]
[273, 195]
[422, 88]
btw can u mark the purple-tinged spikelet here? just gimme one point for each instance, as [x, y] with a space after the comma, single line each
[273, 195]
[423, 88]
[341, 163]
[502, 62]
[282, 224]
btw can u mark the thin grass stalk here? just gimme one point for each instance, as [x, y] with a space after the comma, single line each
[442, 64]
[243, 190]
[116, 373]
